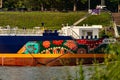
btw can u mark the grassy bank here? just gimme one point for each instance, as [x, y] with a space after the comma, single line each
[52, 20]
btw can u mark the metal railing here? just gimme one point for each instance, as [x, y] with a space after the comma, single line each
[29, 32]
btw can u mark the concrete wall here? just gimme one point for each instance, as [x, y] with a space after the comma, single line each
[44, 73]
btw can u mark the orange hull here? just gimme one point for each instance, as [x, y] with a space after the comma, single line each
[47, 59]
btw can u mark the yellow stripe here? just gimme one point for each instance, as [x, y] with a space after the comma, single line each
[52, 55]
[21, 50]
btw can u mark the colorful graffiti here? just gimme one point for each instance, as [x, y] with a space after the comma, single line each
[58, 46]
[64, 47]
[32, 47]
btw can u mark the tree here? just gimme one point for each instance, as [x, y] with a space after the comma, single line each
[75, 4]
[117, 2]
[45, 4]
[41, 4]
[19, 4]
[0, 3]
[9, 3]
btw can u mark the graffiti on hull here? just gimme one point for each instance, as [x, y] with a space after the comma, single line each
[32, 47]
[64, 46]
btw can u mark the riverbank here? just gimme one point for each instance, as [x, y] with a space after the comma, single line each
[51, 20]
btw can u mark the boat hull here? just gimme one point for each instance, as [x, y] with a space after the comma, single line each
[11, 44]
[49, 59]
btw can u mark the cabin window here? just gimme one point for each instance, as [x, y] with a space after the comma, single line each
[89, 33]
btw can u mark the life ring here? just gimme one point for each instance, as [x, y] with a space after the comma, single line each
[81, 51]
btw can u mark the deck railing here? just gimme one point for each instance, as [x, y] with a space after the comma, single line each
[21, 32]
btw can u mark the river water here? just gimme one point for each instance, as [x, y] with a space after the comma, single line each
[44, 73]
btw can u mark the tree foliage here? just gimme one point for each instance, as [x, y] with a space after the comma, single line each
[60, 5]
[116, 1]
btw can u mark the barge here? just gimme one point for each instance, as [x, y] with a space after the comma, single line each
[67, 46]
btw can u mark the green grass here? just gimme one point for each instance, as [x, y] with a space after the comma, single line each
[52, 20]
[103, 19]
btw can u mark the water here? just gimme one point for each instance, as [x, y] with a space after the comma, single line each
[44, 73]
